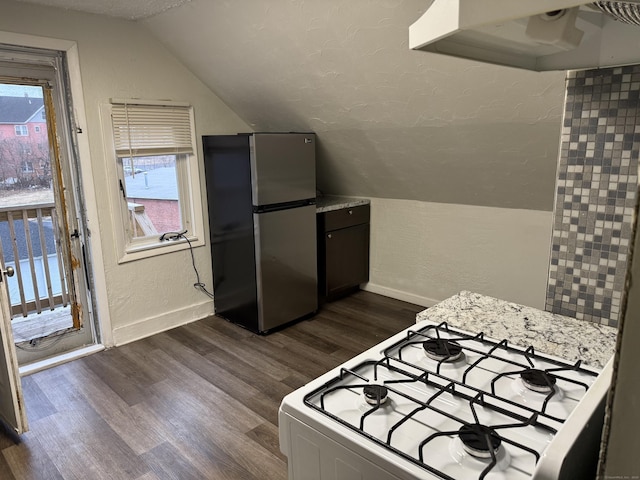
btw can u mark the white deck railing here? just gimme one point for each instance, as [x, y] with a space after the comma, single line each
[39, 281]
[141, 224]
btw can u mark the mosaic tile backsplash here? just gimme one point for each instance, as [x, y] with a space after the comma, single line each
[595, 194]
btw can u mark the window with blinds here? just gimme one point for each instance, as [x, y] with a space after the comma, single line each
[156, 167]
[144, 130]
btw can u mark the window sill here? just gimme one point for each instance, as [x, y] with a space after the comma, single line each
[148, 250]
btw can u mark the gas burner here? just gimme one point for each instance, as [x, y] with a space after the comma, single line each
[479, 440]
[538, 380]
[441, 349]
[375, 394]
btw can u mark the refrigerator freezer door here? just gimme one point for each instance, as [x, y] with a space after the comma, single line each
[286, 265]
[283, 167]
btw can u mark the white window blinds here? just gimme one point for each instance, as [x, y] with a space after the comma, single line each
[144, 130]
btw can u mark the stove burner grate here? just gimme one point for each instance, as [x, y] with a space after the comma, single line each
[479, 440]
[538, 380]
[397, 367]
[442, 349]
[541, 381]
[482, 441]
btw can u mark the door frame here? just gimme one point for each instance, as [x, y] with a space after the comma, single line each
[81, 149]
[45, 71]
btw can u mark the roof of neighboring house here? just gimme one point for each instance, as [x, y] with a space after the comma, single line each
[158, 183]
[17, 110]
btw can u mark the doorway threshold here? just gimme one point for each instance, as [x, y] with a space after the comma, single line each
[59, 359]
[41, 325]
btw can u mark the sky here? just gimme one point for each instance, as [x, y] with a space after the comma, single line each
[7, 90]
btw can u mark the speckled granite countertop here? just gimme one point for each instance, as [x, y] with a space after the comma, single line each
[549, 333]
[328, 203]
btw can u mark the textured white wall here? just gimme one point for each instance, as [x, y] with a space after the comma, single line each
[391, 122]
[120, 59]
[395, 124]
[425, 252]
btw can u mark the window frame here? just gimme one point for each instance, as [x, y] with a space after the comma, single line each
[23, 130]
[189, 193]
[27, 167]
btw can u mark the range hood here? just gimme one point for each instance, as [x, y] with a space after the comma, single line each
[532, 34]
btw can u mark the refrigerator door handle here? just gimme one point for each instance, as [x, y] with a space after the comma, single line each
[274, 207]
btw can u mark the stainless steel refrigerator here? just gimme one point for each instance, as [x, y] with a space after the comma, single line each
[261, 190]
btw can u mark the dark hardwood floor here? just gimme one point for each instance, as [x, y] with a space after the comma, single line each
[197, 402]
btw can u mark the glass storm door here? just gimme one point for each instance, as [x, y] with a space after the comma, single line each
[42, 230]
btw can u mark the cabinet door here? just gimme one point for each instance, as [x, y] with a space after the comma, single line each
[347, 258]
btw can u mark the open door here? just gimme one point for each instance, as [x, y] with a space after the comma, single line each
[12, 410]
[43, 228]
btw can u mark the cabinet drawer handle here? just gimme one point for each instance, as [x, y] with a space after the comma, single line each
[329, 235]
[350, 212]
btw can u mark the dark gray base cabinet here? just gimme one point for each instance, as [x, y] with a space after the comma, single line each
[343, 251]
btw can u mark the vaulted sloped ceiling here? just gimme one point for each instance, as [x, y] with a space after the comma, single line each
[391, 122]
[128, 9]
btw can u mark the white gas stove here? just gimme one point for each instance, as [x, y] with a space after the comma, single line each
[435, 402]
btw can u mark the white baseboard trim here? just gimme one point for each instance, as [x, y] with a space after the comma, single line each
[152, 325]
[59, 359]
[399, 295]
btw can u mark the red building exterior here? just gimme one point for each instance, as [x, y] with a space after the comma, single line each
[24, 145]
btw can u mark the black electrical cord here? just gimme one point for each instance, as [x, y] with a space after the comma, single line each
[176, 236]
[40, 344]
